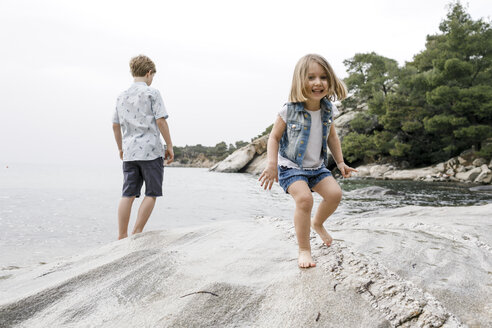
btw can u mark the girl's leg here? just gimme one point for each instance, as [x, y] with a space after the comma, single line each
[331, 192]
[124, 211]
[301, 193]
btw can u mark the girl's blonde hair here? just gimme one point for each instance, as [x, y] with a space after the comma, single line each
[336, 88]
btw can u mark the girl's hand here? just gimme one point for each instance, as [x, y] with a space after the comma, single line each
[268, 177]
[345, 169]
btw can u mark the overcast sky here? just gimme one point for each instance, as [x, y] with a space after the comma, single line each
[224, 68]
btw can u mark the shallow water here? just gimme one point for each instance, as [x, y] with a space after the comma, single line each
[47, 211]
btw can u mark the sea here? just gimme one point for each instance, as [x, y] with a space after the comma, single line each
[49, 212]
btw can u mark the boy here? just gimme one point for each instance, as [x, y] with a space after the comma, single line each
[138, 122]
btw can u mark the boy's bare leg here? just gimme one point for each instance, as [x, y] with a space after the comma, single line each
[144, 213]
[329, 189]
[124, 211]
[299, 190]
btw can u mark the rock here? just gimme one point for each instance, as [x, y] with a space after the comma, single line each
[241, 158]
[450, 172]
[453, 162]
[468, 156]
[469, 175]
[479, 162]
[363, 171]
[413, 174]
[462, 160]
[441, 167]
[342, 123]
[374, 191]
[236, 161]
[460, 169]
[261, 144]
[482, 188]
[258, 164]
[485, 176]
[377, 171]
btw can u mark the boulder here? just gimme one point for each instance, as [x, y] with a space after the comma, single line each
[236, 161]
[460, 169]
[377, 171]
[469, 175]
[467, 156]
[479, 162]
[450, 172]
[485, 176]
[441, 167]
[453, 162]
[261, 144]
[363, 171]
[258, 164]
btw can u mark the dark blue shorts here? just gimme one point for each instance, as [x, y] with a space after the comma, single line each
[135, 173]
[287, 176]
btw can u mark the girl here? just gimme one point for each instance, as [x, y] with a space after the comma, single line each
[301, 134]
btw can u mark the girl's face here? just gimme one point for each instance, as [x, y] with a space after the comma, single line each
[316, 86]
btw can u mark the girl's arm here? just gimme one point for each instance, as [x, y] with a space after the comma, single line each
[270, 173]
[336, 151]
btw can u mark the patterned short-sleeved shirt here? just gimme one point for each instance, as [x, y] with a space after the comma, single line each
[137, 110]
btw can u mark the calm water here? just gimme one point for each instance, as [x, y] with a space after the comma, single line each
[47, 212]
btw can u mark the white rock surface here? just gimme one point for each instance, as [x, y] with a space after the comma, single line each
[406, 267]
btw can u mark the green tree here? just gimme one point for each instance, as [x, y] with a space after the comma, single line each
[435, 106]
[371, 77]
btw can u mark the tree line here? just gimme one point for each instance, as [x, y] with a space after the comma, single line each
[432, 108]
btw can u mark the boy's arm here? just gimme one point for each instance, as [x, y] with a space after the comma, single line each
[164, 129]
[336, 151]
[118, 138]
[270, 173]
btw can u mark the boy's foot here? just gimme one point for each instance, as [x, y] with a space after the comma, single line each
[305, 259]
[325, 236]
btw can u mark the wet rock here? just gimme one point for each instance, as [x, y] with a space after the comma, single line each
[374, 191]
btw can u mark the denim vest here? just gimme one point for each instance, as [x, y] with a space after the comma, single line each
[294, 140]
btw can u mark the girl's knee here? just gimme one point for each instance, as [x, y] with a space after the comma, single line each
[304, 202]
[337, 194]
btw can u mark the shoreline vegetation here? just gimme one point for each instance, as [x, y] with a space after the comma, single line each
[430, 119]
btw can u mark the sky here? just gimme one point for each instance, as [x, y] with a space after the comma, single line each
[224, 68]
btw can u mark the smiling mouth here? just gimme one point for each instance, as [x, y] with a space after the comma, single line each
[318, 91]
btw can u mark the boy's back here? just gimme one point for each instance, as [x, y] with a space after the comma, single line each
[137, 110]
[138, 122]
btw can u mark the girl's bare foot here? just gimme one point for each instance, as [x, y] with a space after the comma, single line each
[325, 236]
[305, 259]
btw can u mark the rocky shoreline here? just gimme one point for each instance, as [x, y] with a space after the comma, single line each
[464, 168]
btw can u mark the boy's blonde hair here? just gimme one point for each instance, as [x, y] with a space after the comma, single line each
[141, 65]
[336, 88]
